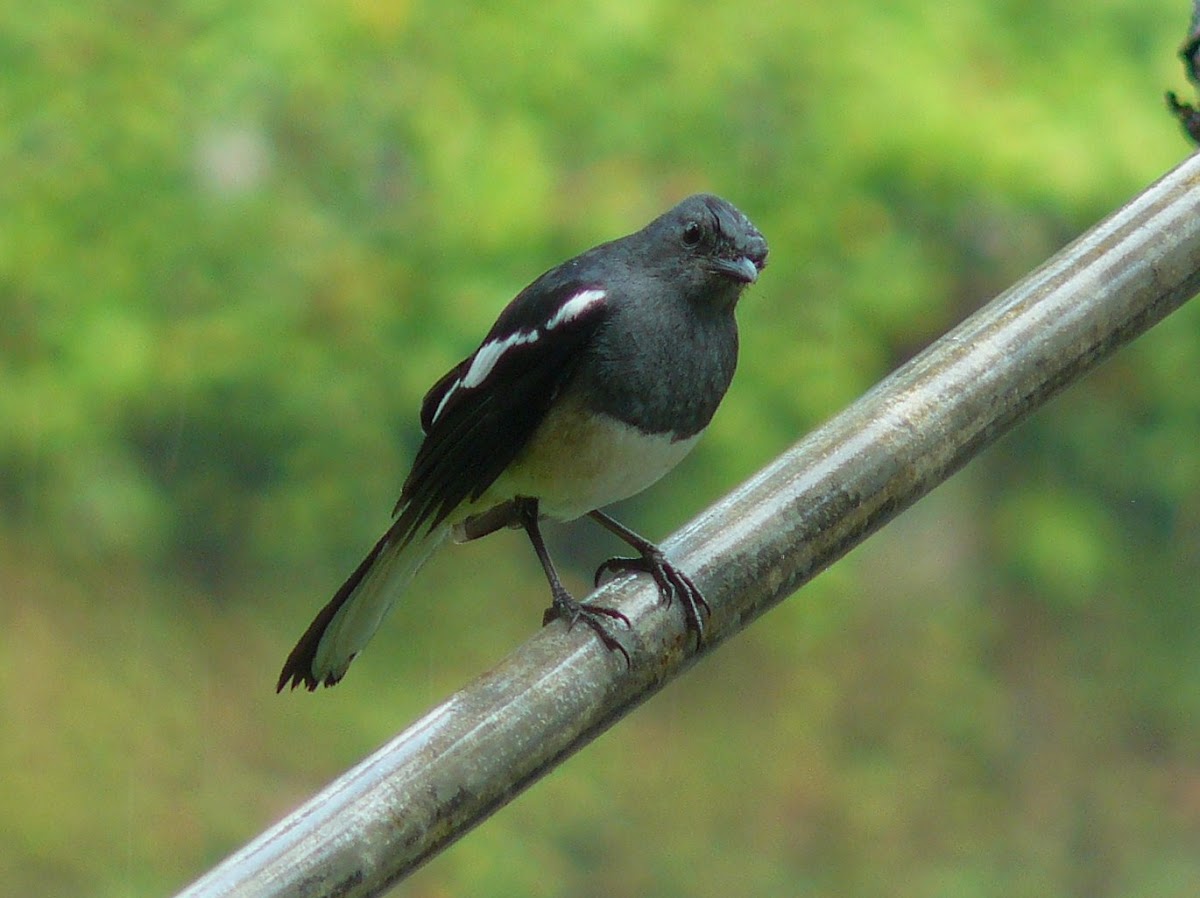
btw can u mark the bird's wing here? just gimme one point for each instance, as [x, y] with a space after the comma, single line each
[479, 416]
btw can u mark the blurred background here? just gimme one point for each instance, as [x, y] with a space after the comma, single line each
[239, 240]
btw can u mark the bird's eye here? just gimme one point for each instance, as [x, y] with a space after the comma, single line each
[691, 233]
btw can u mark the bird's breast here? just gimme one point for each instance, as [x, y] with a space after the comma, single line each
[580, 459]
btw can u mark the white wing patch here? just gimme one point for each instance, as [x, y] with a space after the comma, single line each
[490, 353]
[574, 307]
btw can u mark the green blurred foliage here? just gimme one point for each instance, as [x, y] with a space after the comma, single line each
[238, 241]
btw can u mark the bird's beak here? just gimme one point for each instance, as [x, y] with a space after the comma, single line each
[742, 268]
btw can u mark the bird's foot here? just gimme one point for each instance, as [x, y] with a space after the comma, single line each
[672, 584]
[563, 607]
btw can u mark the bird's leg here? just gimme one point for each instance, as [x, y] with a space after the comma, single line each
[672, 582]
[507, 514]
[563, 605]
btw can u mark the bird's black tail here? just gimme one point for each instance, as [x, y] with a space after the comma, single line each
[347, 623]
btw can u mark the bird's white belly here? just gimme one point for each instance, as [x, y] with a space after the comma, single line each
[576, 463]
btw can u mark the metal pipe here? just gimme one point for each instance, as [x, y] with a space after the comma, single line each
[478, 749]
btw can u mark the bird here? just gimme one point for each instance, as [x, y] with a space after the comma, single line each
[595, 381]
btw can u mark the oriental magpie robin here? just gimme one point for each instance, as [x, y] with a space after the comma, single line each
[594, 382]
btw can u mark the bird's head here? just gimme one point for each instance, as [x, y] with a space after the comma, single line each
[709, 248]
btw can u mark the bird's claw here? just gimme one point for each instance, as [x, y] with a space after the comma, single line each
[672, 584]
[571, 612]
